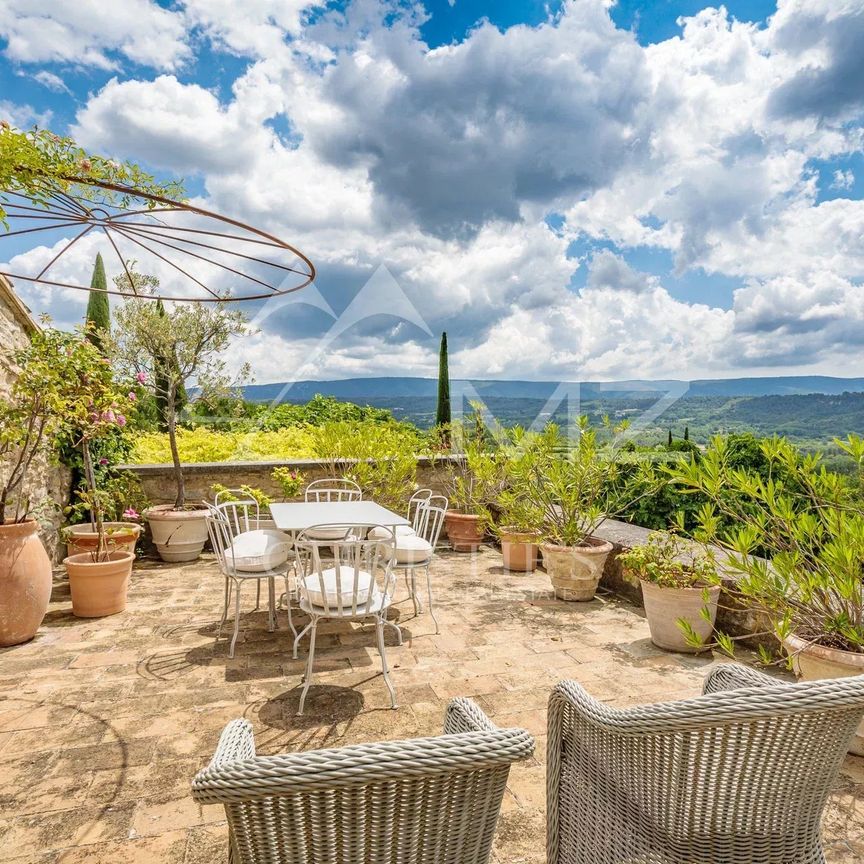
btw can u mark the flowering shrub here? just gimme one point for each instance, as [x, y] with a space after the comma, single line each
[290, 481]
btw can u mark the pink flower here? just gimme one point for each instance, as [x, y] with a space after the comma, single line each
[141, 377]
[121, 420]
[109, 416]
[132, 396]
[103, 461]
[131, 513]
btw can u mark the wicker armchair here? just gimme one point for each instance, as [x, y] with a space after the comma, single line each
[423, 800]
[737, 776]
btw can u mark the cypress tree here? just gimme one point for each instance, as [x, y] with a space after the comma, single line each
[669, 442]
[686, 433]
[442, 415]
[98, 317]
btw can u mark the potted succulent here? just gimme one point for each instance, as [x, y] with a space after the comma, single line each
[794, 541]
[99, 576]
[578, 485]
[680, 591]
[163, 349]
[40, 404]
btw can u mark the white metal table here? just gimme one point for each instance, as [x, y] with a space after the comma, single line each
[298, 516]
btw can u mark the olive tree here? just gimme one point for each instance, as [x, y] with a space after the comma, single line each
[164, 348]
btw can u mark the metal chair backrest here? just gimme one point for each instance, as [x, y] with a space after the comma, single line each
[242, 515]
[412, 802]
[350, 574]
[420, 497]
[333, 489]
[221, 538]
[432, 519]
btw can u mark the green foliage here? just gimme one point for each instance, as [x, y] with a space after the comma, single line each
[257, 495]
[98, 316]
[38, 163]
[809, 523]
[670, 562]
[163, 349]
[63, 389]
[380, 458]
[578, 485]
[290, 481]
[442, 413]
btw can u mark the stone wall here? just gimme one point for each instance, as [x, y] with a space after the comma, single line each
[158, 484]
[46, 481]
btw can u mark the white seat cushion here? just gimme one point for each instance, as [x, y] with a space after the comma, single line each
[412, 550]
[258, 551]
[382, 533]
[337, 533]
[348, 579]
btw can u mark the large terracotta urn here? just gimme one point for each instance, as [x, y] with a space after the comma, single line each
[575, 571]
[813, 662]
[25, 582]
[665, 606]
[463, 531]
[179, 535]
[120, 537]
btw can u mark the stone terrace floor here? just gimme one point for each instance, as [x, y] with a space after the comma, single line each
[103, 723]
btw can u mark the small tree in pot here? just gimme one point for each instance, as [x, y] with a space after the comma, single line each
[163, 349]
[579, 486]
[98, 578]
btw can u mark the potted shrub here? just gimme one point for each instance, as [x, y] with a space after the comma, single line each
[163, 349]
[578, 485]
[289, 480]
[519, 516]
[98, 577]
[35, 412]
[794, 540]
[680, 591]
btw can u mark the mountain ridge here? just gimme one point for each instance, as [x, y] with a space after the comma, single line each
[406, 386]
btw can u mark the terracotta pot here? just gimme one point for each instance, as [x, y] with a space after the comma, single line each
[25, 582]
[99, 587]
[179, 535]
[813, 662]
[122, 537]
[575, 571]
[463, 531]
[664, 606]
[519, 549]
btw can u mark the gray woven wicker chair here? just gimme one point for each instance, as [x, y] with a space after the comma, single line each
[738, 775]
[424, 800]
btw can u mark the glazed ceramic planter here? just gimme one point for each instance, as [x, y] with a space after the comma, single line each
[519, 549]
[25, 582]
[122, 537]
[99, 588]
[665, 606]
[813, 662]
[179, 535]
[575, 571]
[463, 531]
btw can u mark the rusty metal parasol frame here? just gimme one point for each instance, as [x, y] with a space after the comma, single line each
[63, 209]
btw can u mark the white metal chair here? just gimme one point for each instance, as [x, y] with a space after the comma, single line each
[413, 515]
[415, 552]
[333, 489]
[244, 557]
[356, 583]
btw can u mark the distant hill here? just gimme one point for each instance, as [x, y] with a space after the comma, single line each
[374, 389]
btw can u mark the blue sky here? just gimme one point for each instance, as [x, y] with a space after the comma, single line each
[573, 189]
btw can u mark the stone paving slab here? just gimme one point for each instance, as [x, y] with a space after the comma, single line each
[104, 722]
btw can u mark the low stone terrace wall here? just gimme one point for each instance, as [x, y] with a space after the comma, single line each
[157, 483]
